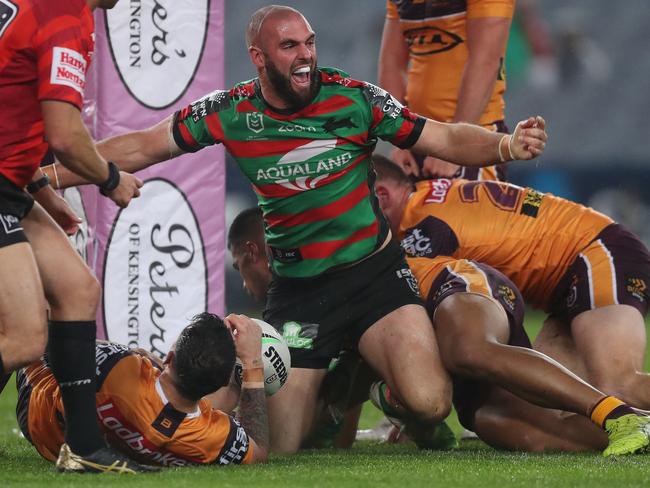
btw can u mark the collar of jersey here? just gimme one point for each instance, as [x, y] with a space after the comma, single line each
[164, 399]
[285, 111]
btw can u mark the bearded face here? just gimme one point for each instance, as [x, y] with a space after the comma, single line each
[297, 86]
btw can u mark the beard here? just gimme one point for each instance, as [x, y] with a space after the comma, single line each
[282, 86]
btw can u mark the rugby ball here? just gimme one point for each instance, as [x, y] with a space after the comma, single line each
[276, 359]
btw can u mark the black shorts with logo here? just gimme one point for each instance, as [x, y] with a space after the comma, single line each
[14, 205]
[315, 315]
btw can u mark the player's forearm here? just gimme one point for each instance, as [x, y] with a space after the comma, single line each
[463, 144]
[252, 409]
[393, 61]
[79, 155]
[476, 89]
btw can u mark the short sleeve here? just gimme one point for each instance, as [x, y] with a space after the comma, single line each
[390, 120]
[199, 124]
[62, 46]
[391, 10]
[490, 8]
[237, 449]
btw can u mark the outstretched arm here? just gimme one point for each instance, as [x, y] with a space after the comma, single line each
[130, 152]
[472, 145]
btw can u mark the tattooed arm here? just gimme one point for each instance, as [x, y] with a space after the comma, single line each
[252, 412]
[252, 402]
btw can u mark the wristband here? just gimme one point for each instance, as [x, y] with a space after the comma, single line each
[512, 156]
[112, 181]
[501, 158]
[252, 384]
[34, 186]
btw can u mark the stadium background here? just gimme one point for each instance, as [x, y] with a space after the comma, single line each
[583, 65]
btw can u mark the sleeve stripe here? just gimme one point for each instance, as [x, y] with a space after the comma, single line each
[413, 137]
[182, 136]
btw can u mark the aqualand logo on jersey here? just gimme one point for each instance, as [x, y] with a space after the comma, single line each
[296, 172]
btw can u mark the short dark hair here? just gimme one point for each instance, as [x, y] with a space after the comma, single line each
[247, 226]
[204, 357]
[388, 170]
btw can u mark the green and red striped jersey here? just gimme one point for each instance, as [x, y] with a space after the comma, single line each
[311, 168]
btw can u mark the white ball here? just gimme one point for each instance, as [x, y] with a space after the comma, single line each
[275, 357]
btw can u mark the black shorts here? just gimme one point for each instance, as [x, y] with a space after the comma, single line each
[464, 276]
[14, 205]
[316, 314]
[614, 269]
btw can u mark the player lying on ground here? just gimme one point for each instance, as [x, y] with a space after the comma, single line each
[154, 410]
[587, 272]
[303, 136]
[503, 390]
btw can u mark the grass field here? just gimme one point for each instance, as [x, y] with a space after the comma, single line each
[367, 464]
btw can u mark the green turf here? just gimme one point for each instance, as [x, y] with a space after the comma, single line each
[367, 464]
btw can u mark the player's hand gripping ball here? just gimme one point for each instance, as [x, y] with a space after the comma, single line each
[276, 359]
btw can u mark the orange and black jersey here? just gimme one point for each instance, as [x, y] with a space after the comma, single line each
[436, 34]
[135, 415]
[531, 237]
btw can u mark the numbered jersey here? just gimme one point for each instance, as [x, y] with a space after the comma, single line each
[45, 51]
[436, 34]
[529, 236]
[310, 169]
[135, 415]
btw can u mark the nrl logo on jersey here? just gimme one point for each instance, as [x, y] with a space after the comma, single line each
[255, 122]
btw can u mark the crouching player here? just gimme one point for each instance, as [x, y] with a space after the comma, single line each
[154, 411]
[503, 390]
[587, 272]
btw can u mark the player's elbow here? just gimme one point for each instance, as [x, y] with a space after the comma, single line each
[260, 454]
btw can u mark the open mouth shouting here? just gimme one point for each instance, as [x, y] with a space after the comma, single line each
[301, 76]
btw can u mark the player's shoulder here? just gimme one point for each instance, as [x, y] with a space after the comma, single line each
[46, 10]
[335, 77]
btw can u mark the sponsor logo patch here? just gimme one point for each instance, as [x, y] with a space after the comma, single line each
[508, 296]
[430, 40]
[10, 223]
[637, 288]
[532, 202]
[439, 190]
[415, 243]
[68, 68]
[411, 281]
[299, 336]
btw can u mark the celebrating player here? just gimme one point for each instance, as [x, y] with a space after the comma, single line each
[45, 50]
[154, 411]
[589, 273]
[303, 136]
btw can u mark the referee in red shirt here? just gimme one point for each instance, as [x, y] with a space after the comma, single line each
[45, 51]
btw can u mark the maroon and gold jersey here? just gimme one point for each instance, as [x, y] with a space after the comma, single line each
[531, 237]
[436, 34]
[45, 51]
[135, 415]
